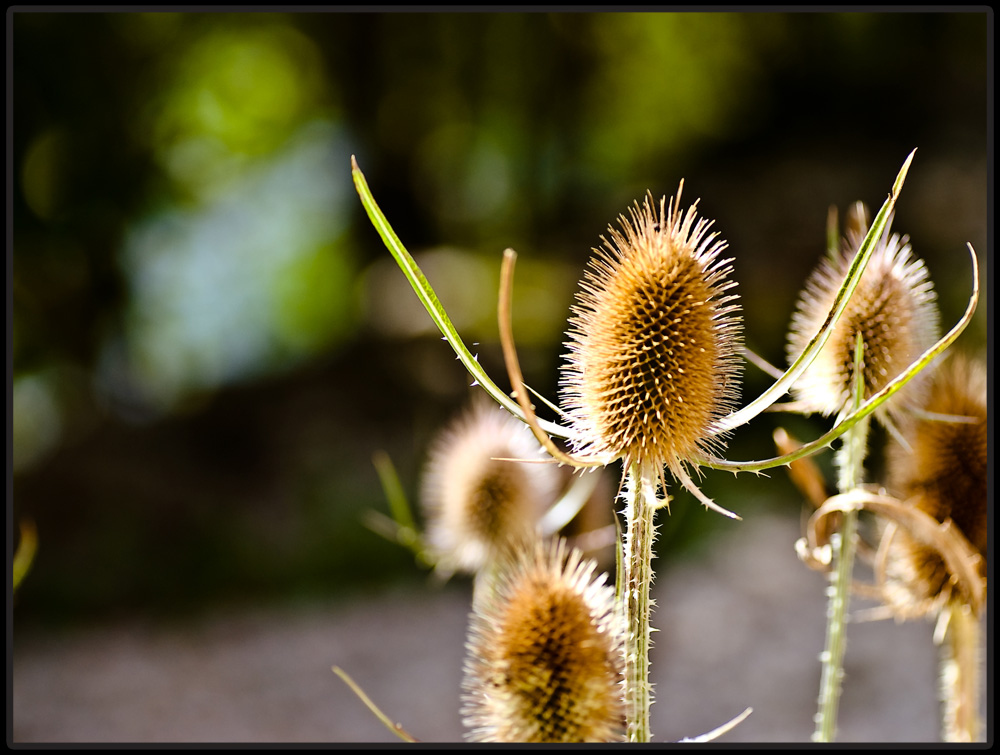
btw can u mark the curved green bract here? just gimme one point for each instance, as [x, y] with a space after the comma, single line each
[868, 406]
[851, 280]
[431, 303]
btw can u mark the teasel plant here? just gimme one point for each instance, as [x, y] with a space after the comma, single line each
[939, 467]
[637, 391]
[477, 506]
[544, 660]
[889, 321]
[931, 532]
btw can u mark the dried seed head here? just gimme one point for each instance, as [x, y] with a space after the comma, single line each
[545, 658]
[943, 473]
[475, 503]
[893, 308]
[653, 349]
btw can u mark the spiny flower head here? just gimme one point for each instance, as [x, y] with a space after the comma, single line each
[545, 658]
[478, 502]
[653, 349]
[893, 308]
[943, 473]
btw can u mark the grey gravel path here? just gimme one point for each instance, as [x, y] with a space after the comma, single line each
[741, 627]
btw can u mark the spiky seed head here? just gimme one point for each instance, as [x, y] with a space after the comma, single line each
[476, 501]
[545, 654]
[893, 308]
[654, 340]
[943, 473]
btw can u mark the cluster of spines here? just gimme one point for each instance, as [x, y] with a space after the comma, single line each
[942, 470]
[545, 655]
[652, 358]
[893, 309]
[477, 501]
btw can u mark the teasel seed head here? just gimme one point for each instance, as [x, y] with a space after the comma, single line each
[545, 654]
[893, 308]
[654, 340]
[943, 473]
[478, 502]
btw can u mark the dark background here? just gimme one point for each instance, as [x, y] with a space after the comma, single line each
[209, 341]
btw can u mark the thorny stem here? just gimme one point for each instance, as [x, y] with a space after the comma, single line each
[960, 675]
[850, 463]
[640, 509]
[836, 638]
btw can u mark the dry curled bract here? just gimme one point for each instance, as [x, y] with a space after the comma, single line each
[932, 520]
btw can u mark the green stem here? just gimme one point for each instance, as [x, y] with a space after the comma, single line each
[836, 636]
[639, 535]
[850, 464]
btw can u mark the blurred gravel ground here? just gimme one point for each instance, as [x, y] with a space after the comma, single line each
[741, 627]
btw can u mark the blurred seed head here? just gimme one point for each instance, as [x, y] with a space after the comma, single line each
[893, 308]
[943, 473]
[654, 340]
[476, 504]
[545, 655]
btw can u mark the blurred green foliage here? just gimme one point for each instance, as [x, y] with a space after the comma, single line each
[209, 342]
